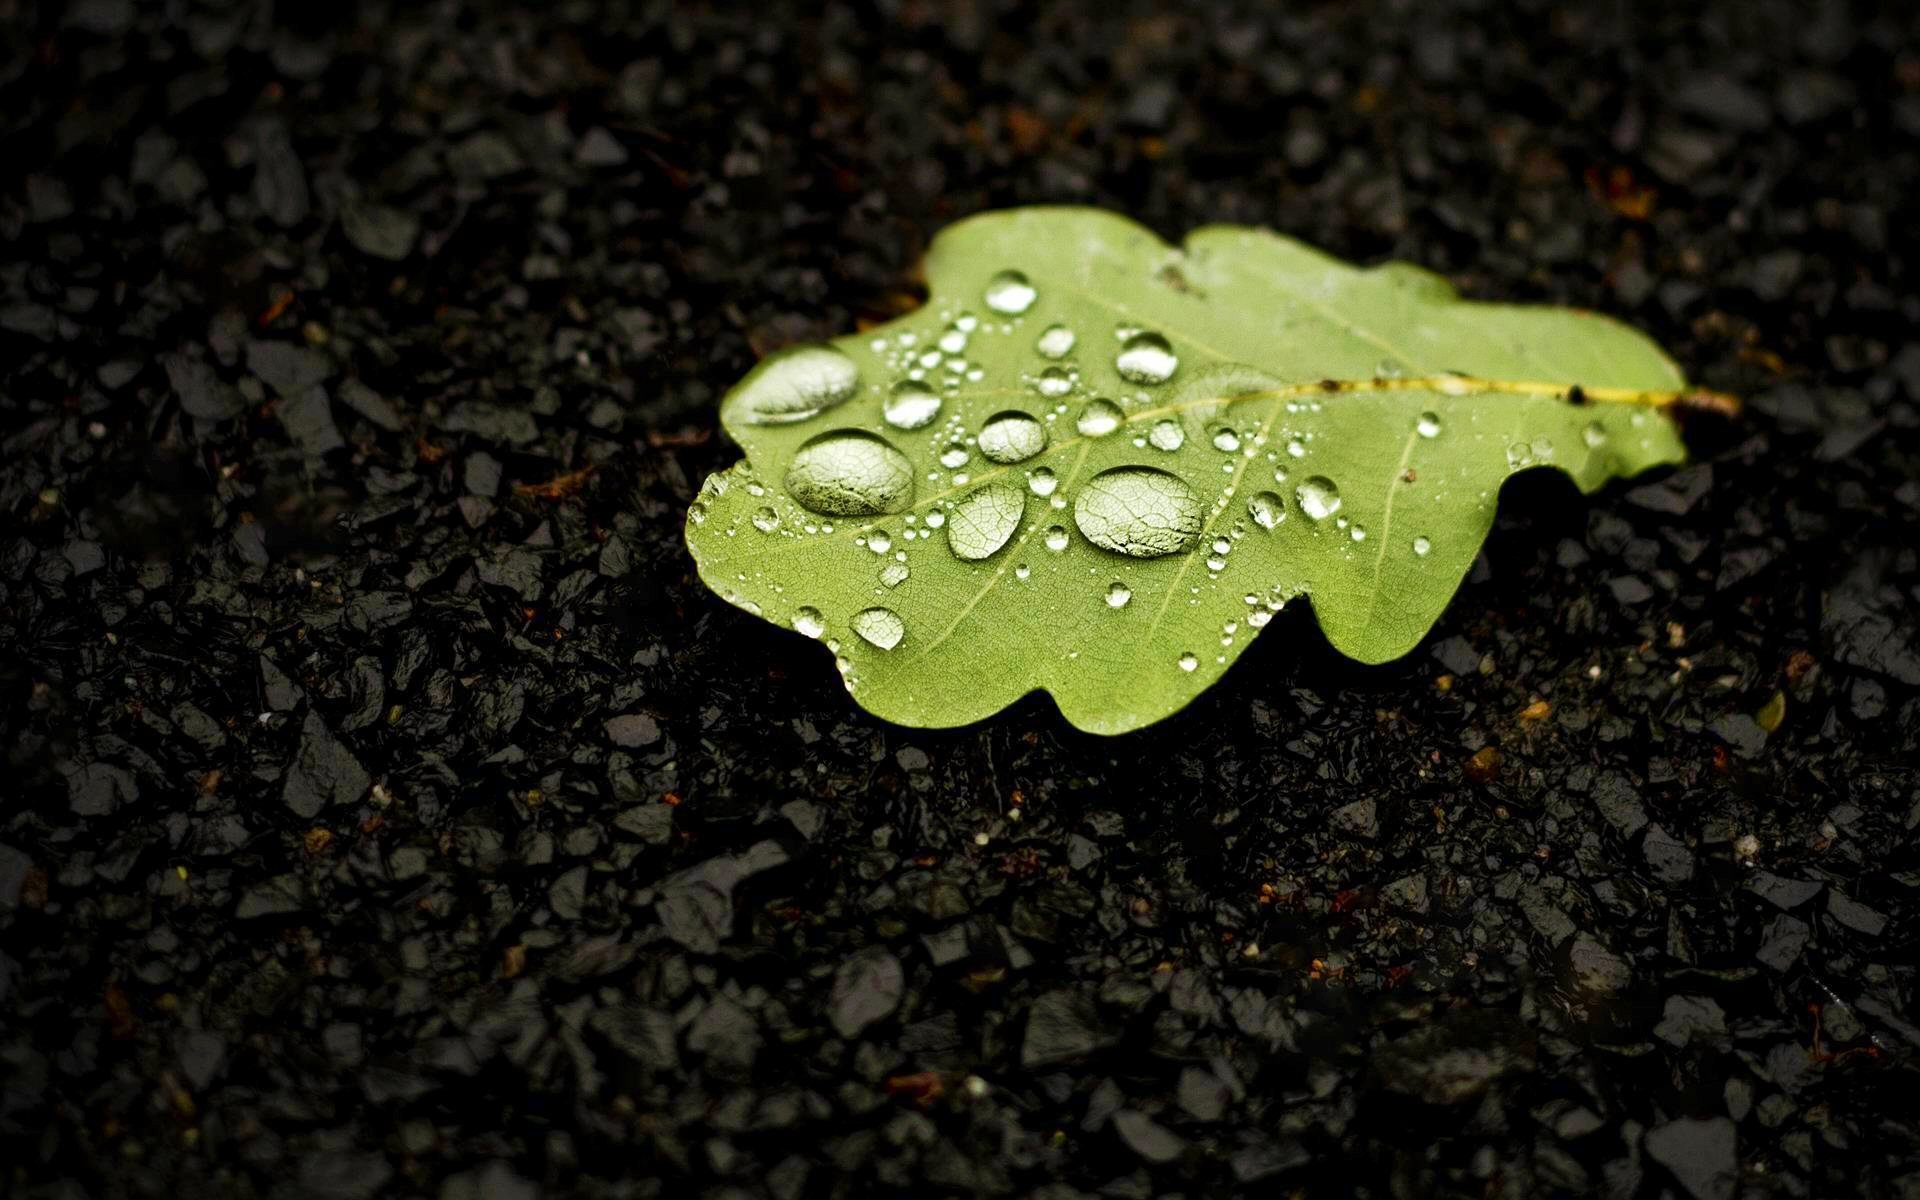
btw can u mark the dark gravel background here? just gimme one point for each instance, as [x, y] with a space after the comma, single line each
[392, 813]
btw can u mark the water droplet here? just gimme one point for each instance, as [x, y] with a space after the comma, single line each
[697, 513]
[1056, 538]
[1009, 294]
[1267, 510]
[1279, 474]
[1099, 418]
[1118, 594]
[954, 456]
[809, 621]
[1054, 382]
[1056, 342]
[1389, 368]
[953, 341]
[936, 518]
[1012, 437]
[983, 520]
[795, 385]
[1226, 440]
[1296, 448]
[881, 626]
[1042, 481]
[1594, 435]
[1146, 358]
[1358, 533]
[1318, 497]
[879, 541]
[1216, 563]
[1543, 447]
[1138, 511]
[1022, 571]
[1518, 454]
[765, 519]
[894, 574]
[1428, 426]
[911, 405]
[1167, 435]
[1422, 546]
[850, 474]
[1188, 662]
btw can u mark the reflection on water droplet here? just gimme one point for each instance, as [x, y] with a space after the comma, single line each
[1042, 481]
[1146, 358]
[984, 519]
[1428, 426]
[1318, 496]
[879, 541]
[954, 456]
[1226, 439]
[1054, 382]
[795, 385]
[1188, 662]
[1138, 511]
[765, 519]
[881, 626]
[1267, 510]
[809, 621]
[1118, 594]
[1594, 435]
[1422, 546]
[894, 574]
[911, 405]
[1009, 294]
[1056, 342]
[1056, 538]
[1099, 418]
[850, 474]
[1012, 437]
[1167, 435]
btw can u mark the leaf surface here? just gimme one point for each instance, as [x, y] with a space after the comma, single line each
[1094, 464]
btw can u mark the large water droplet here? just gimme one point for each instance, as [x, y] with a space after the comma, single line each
[983, 520]
[1594, 435]
[1054, 382]
[1118, 594]
[1318, 497]
[1057, 342]
[880, 541]
[795, 385]
[1099, 418]
[809, 621]
[1267, 510]
[1138, 511]
[911, 405]
[850, 474]
[881, 626]
[1422, 546]
[1428, 425]
[765, 519]
[1009, 294]
[1146, 358]
[1167, 435]
[1012, 437]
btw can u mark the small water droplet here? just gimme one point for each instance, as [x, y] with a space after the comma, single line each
[954, 456]
[1138, 511]
[1167, 435]
[1358, 533]
[880, 626]
[1225, 439]
[1146, 358]
[1043, 481]
[1279, 474]
[1389, 368]
[1010, 294]
[911, 405]
[936, 518]
[879, 541]
[1022, 571]
[1266, 509]
[850, 474]
[1428, 426]
[1118, 594]
[765, 519]
[1422, 546]
[1216, 563]
[1188, 662]
[808, 621]
[1454, 385]
[1054, 382]
[1319, 498]
[1518, 454]
[1542, 447]
[894, 574]
[1056, 342]
[953, 341]
[795, 385]
[1296, 448]
[984, 520]
[1099, 418]
[1012, 437]
[1594, 435]
[697, 513]
[1056, 538]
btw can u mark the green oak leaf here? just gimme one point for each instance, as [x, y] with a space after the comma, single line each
[1096, 465]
